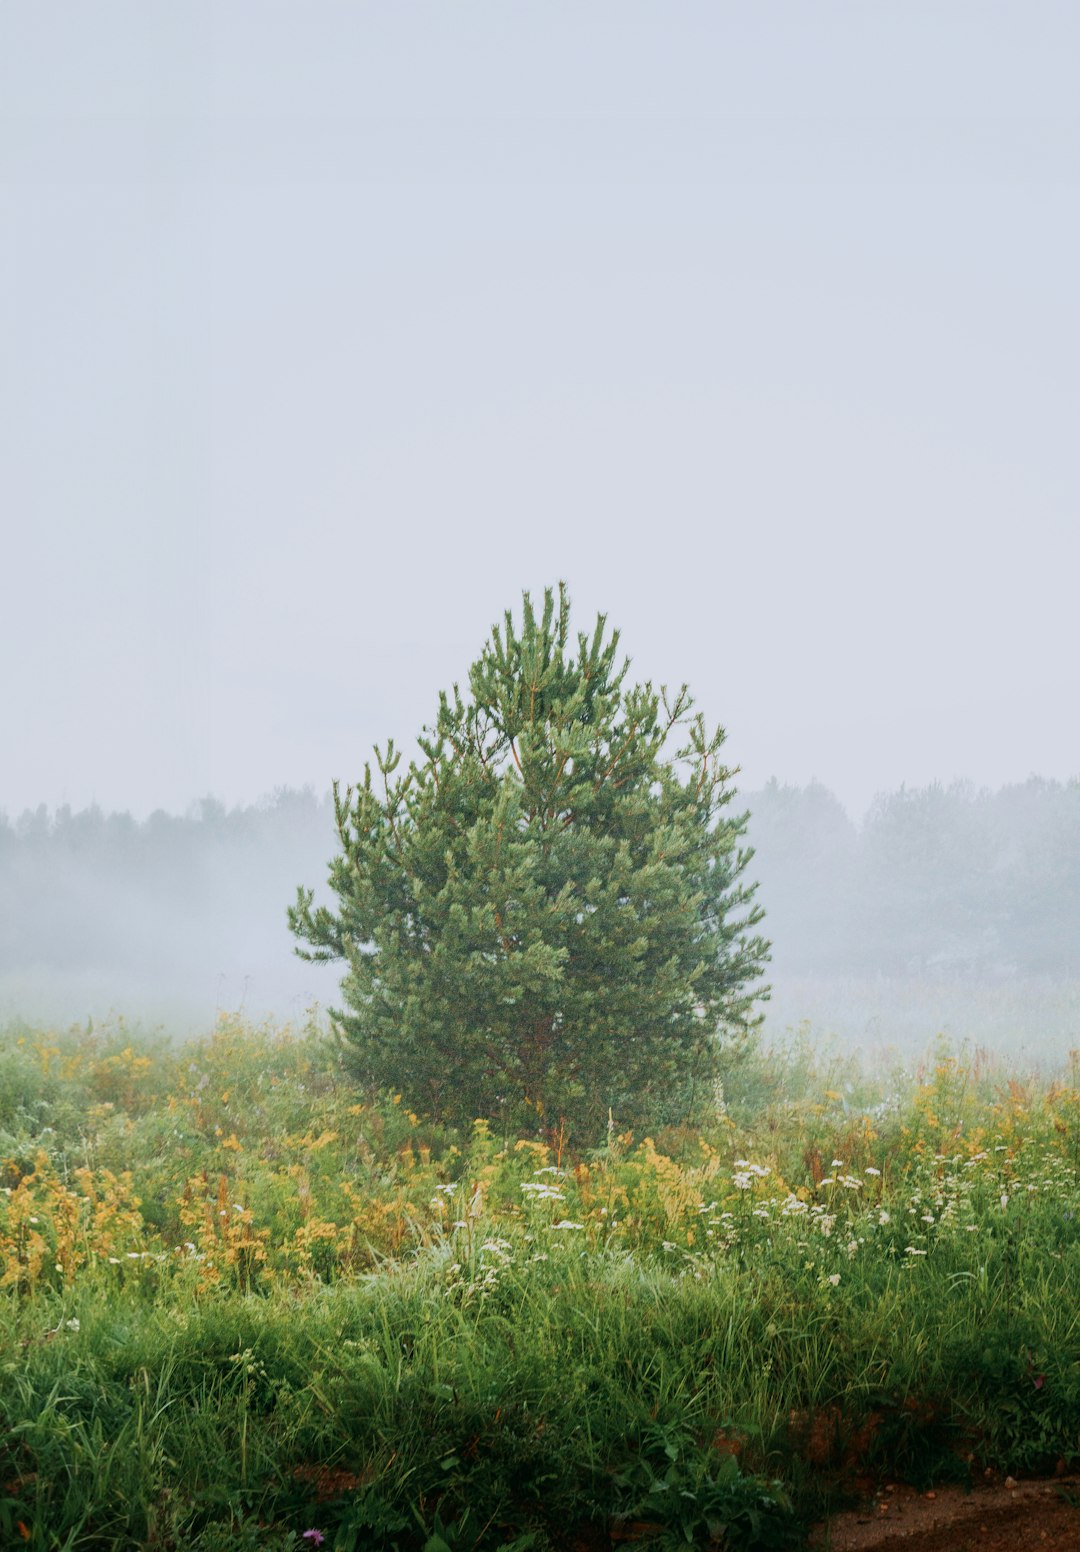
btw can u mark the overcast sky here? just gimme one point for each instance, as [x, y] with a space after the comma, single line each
[328, 328]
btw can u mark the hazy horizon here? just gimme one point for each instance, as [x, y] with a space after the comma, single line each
[267, 797]
[948, 910]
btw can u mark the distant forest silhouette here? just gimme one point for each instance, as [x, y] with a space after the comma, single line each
[188, 912]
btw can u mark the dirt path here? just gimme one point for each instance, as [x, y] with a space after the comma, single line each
[992, 1518]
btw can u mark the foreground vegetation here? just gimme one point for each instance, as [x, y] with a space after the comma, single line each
[242, 1307]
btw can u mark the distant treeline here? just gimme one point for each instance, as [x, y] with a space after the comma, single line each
[936, 880]
[950, 881]
[173, 918]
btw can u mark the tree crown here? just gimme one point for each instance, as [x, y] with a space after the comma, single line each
[544, 910]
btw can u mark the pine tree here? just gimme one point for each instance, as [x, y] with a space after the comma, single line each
[544, 916]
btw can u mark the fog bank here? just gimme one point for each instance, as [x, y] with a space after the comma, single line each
[949, 910]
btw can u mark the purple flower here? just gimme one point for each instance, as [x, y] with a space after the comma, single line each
[315, 1537]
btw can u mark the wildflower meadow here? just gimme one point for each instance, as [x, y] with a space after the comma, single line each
[246, 1306]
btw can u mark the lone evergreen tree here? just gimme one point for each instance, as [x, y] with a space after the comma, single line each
[544, 916]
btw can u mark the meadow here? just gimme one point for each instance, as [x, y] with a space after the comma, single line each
[243, 1305]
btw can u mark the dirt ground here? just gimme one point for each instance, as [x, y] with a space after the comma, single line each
[996, 1517]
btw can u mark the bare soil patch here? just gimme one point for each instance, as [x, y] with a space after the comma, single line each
[992, 1517]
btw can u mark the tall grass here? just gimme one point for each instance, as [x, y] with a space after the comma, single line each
[241, 1303]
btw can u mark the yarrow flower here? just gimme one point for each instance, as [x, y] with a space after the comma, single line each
[541, 1191]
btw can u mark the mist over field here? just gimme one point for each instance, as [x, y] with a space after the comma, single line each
[724, 347]
[944, 911]
[329, 331]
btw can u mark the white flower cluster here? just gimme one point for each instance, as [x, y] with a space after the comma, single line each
[746, 1173]
[541, 1191]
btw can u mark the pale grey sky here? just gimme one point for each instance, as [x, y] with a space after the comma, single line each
[327, 328]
